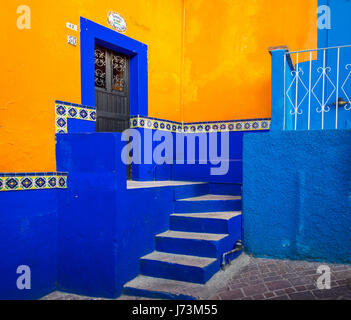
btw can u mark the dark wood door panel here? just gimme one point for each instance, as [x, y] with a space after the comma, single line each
[111, 125]
[112, 92]
[115, 106]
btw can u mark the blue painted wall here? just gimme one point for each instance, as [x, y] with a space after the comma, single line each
[80, 126]
[104, 228]
[28, 224]
[149, 170]
[87, 215]
[296, 195]
[202, 172]
[339, 34]
[190, 172]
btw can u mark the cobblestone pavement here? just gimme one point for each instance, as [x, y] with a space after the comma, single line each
[266, 279]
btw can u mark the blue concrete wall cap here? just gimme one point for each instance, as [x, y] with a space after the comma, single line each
[278, 48]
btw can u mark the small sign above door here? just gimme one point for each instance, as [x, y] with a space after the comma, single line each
[72, 26]
[116, 21]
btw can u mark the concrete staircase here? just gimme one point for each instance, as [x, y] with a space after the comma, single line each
[202, 228]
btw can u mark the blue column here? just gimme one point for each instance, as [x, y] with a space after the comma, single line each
[277, 89]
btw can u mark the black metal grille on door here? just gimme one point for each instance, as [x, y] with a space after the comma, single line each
[111, 90]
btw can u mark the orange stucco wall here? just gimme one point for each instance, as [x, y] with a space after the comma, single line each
[227, 64]
[39, 67]
[208, 60]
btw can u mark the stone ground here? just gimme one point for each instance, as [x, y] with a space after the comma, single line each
[266, 279]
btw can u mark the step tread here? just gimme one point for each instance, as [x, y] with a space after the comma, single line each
[192, 235]
[212, 197]
[126, 297]
[210, 215]
[192, 261]
[164, 285]
[131, 184]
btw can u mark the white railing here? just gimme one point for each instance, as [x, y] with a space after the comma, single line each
[319, 81]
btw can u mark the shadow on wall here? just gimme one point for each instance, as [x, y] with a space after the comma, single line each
[296, 195]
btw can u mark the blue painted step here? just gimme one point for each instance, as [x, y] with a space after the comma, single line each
[208, 203]
[207, 222]
[225, 189]
[192, 244]
[202, 229]
[193, 190]
[178, 267]
[157, 288]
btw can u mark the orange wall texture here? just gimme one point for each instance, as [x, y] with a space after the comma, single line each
[208, 60]
[227, 64]
[39, 67]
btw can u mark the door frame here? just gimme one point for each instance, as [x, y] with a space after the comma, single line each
[92, 33]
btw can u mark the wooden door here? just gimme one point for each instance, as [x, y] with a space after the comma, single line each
[111, 90]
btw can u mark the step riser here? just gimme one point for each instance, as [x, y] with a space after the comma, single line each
[225, 189]
[190, 247]
[165, 270]
[190, 191]
[203, 225]
[207, 206]
[200, 248]
[130, 291]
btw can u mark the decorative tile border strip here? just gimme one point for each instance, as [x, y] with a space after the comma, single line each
[32, 181]
[155, 124]
[66, 110]
[201, 127]
[227, 126]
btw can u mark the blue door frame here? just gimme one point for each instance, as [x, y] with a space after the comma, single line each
[92, 33]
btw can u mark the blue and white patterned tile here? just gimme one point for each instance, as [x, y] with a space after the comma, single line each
[32, 181]
[154, 124]
[66, 110]
[201, 127]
